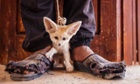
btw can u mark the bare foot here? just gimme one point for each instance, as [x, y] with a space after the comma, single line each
[81, 52]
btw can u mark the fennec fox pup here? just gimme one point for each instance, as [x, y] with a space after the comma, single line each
[60, 37]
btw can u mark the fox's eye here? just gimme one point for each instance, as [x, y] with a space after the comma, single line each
[64, 38]
[56, 37]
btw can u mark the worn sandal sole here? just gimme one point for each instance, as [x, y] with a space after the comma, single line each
[21, 77]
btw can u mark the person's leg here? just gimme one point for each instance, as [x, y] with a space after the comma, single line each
[32, 13]
[75, 10]
[82, 10]
[37, 40]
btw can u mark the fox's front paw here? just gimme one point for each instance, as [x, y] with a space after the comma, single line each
[69, 68]
[49, 56]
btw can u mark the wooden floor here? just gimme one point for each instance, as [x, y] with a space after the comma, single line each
[61, 77]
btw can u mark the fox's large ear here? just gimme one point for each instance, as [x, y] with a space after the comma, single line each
[50, 26]
[74, 27]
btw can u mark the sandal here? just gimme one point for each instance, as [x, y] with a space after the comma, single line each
[98, 66]
[30, 68]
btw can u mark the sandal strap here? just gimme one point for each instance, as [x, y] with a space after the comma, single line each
[38, 63]
[100, 67]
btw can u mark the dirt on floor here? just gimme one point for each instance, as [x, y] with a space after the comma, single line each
[76, 77]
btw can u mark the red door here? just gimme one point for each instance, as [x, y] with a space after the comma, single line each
[107, 41]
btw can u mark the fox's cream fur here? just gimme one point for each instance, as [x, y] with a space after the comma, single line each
[60, 37]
